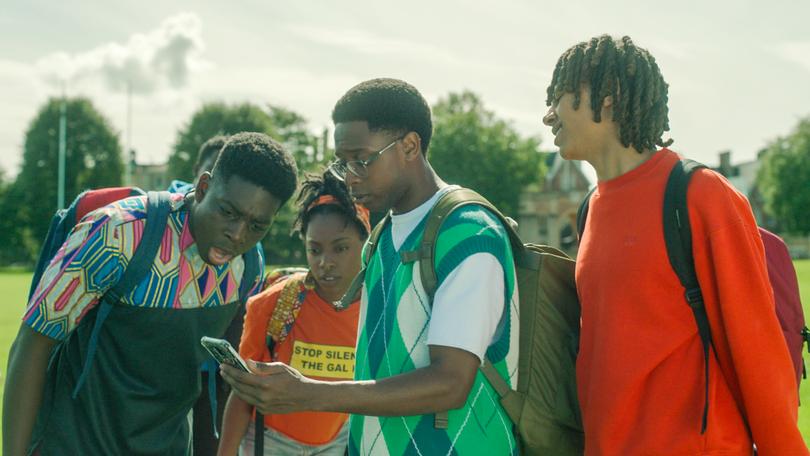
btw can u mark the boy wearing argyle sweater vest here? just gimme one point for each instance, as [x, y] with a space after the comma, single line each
[415, 357]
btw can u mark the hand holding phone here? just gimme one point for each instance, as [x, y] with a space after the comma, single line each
[223, 352]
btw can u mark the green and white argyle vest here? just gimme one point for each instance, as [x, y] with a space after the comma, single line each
[394, 321]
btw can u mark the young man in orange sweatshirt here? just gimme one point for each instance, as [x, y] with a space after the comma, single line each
[641, 367]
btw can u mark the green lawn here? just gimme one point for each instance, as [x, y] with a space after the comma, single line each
[14, 286]
[803, 272]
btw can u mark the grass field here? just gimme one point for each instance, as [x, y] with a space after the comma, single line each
[14, 286]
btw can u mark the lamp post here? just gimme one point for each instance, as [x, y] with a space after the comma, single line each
[60, 192]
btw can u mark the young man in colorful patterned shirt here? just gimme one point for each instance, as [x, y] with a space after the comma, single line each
[144, 376]
[414, 357]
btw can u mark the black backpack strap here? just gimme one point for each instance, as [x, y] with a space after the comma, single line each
[582, 213]
[258, 435]
[158, 209]
[678, 239]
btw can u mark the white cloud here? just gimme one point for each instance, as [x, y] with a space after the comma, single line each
[795, 51]
[369, 43]
[161, 58]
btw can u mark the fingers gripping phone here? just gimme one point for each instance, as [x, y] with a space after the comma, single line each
[223, 352]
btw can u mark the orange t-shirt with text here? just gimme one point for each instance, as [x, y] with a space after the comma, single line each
[320, 345]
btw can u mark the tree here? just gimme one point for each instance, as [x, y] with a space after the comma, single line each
[310, 151]
[311, 156]
[784, 177]
[12, 241]
[473, 148]
[92, 158]
[211, 120]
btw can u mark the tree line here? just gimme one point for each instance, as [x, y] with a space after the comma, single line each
[471, 146]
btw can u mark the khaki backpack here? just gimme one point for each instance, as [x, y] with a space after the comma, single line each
[544, 407]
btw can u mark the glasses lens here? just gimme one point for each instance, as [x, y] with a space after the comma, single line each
[338, 169]
[357, 168]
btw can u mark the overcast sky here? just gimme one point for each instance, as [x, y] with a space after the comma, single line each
[739, 71]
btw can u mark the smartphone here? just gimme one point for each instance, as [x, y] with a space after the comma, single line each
[223, 352]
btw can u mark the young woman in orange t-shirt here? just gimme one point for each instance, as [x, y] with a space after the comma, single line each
[319, 337]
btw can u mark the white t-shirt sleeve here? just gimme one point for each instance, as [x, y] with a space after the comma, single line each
[468, 305]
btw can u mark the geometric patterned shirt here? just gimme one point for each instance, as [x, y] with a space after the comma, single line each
[96, 253]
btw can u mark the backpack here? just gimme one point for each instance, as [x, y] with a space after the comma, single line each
[678, 240]
[64, 220]
[544, 406]
[158, 208]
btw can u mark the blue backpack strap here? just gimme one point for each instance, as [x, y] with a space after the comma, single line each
[252, 273]
[678, 239]
[249, 278]
[157, 214]
[62, 223]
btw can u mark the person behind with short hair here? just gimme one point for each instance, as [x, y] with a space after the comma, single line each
[321, 338]
[144, 376]
[416, 356]
[641, 372]
[206, 157]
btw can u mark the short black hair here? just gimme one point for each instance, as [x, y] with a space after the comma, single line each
[628, 73]
[317, 185]
[209, 149]
[386, 104]
[261, 161]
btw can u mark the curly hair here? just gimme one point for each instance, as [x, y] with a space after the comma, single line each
[627, 73]
[261, 161]
[316, 186]
[387, 104]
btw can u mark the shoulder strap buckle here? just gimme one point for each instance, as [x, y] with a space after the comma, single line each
[694, 297]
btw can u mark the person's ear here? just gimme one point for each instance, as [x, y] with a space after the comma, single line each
[607, 107]
[202, 187]
[412, 145]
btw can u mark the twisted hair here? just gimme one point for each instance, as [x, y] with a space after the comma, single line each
[317, 185]
[627, 73]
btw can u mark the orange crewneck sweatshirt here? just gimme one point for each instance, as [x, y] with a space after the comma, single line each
[640, 370]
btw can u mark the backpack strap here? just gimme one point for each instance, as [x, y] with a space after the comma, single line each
[805, 340]
[253, 267]
[281, 322]
[368, 252]
[157, 214]
[582, 213]
[678, 239]
[286, 311]
[57, 234]
[447, 203]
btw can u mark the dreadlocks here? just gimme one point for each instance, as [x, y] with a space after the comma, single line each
[316, 186]
[627, 73]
